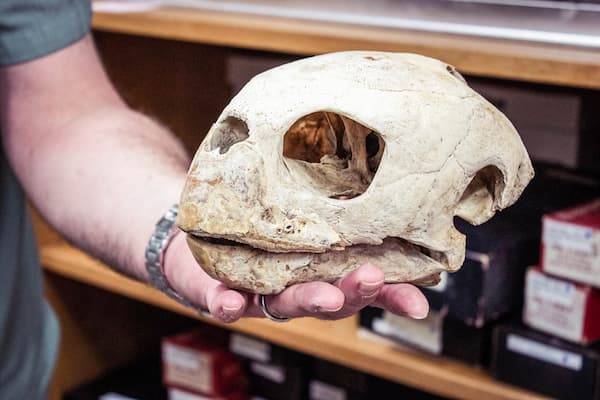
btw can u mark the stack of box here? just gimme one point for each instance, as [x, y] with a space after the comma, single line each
[488, 289]
[197, 365]
[562, 302]
[330, 381]
[273, 372]
[466, 304]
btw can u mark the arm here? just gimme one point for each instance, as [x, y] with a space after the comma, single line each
[103, 174]
[86, 160]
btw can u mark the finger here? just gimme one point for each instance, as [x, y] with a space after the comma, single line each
[361, 288]
[316, 299]
[403, 299]
[225, 304]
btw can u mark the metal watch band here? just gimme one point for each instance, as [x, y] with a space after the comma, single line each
[159, 241]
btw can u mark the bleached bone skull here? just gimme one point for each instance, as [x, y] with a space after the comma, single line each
[324, 164]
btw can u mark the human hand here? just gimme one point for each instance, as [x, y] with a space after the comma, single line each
[361, 288]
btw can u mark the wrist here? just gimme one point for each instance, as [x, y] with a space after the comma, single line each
[155, 255]
[171, 258]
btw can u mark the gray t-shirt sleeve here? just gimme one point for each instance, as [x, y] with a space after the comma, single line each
[33, 28]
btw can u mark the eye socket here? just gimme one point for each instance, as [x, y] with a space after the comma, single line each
[230, 131]
[333, 154]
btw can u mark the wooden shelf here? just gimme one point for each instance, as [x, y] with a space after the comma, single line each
[333, 341]
[552, 64]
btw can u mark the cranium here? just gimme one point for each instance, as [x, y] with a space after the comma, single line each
[326, 163]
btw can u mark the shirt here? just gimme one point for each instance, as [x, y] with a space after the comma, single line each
[29, 329]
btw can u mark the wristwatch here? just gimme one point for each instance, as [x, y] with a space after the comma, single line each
[157, 245]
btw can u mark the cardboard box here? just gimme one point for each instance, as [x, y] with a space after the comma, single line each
[571, 243]
[199, 361]
[544, 364]
[562, 308]
[437, 334]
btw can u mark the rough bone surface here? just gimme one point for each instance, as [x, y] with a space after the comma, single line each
[321, 165]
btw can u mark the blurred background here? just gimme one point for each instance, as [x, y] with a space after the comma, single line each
[519, 320]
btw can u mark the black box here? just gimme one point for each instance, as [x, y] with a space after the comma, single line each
[276, 381]
[557, 124]
[553, 188]
[274, 372]
[437, 334]
[333, 381]
[255, 349]
[545, 364]
[341, 376]
[141, 380]
[384, 389]
[490, 283]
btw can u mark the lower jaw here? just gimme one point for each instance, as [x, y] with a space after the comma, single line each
[258, 271]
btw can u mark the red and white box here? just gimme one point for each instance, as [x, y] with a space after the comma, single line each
[571, 243]
[561, 308]
[196, 361]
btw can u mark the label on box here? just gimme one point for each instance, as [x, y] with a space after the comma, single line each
[571, 251]
[571, 236]
[187, 367]
[114, 396]
[251, 348]
[273, 373]
[323, 391]
[551, 290]
[554, 306]
[422, 333]
[176, 394]
[543, 352]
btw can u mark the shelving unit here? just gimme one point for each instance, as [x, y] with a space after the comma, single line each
[333, 341]
[552, 64]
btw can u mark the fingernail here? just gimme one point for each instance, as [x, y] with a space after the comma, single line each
[318, 308]
[421, 315]
[369, 288]
[231, 311]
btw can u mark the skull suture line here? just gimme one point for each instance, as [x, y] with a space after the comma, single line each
[321, 165]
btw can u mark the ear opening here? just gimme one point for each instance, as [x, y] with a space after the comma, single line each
[478, 201]
[334, 154]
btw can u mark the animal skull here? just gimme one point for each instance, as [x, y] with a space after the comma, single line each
[321, 165]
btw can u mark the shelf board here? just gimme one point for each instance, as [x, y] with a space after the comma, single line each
[334, 341]
[510, 59]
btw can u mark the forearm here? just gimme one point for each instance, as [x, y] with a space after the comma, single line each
[121, 173]
[99, 172]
